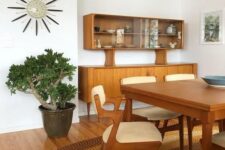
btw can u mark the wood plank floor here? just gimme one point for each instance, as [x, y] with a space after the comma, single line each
[87, 128]
[37, 140]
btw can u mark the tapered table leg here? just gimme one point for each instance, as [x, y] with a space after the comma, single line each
[181, 132]
[189, 127]
[128, 110]
[207, 136]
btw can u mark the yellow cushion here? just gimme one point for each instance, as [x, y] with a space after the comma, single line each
[176, 77]
[131, 132]
[219, 139]
[138, 79]
[155, 113]
[98, 90]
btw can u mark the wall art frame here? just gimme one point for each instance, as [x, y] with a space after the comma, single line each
[212, 30]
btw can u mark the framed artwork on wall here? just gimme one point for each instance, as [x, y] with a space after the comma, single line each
[212, 27]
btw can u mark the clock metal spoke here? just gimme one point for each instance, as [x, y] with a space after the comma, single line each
[19, 17]
[37, 13]
[16, 7]
[58, 10]
[28, 23]
[45, 25]
[23, 1]
[51, 2]
[52, 20]
[36, 27]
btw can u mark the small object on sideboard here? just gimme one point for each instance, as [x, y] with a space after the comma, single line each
[107, 46]
[171, 29]
[98, 45]
[173, 45]
[127, 29]
[111, 31]
[179, 35]
[97, 29]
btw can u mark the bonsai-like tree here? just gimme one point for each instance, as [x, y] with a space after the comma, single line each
[42, 76]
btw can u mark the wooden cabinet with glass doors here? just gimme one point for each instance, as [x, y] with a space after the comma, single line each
[111, 32]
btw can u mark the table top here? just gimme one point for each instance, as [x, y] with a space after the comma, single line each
[193, 93]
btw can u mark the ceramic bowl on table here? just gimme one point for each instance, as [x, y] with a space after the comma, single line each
[215, 81]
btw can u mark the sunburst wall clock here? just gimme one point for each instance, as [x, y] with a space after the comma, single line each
[37, 12]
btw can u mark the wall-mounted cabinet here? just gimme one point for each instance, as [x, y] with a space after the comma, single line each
[110, 32]
[122, 32]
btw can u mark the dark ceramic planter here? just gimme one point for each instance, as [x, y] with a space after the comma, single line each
[57, 123]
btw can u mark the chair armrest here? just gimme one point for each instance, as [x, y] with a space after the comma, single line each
[116, 101]
[116, 116]
[102, 113]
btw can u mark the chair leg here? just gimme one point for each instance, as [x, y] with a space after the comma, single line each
[181, 132]
[189, 127]
[165, 123]
[157, 123]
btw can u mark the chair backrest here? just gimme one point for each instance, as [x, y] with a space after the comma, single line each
[98, 90]
[176, 77]
[138, 79]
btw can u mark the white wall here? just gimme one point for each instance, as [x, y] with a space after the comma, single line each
[209, 57]
[20, 111]
[145, 8]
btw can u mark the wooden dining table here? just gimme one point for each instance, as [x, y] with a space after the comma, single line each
[193, 98]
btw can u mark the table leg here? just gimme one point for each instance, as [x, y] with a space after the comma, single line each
[181, 132]
[207, 135]
[189, 127]
[128, 110]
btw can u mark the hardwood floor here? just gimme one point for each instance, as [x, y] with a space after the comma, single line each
[37, 140]
[87, 128]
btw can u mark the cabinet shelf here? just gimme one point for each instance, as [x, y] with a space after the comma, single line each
[136, 33]
[164, 34]
[172, 35]
[107, 33]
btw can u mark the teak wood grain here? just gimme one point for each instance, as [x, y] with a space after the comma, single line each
[192, 98]
[110, 77]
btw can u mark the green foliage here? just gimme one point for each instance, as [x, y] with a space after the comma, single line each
[42, 76]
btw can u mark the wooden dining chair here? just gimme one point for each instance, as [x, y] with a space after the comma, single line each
[156, 114]
[124, 135]
[191, 122]
[177, 77]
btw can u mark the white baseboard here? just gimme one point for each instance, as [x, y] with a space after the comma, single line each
[23, 127]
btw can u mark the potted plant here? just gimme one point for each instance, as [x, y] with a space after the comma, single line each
[42, 76]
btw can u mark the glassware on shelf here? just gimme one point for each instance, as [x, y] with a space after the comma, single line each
[146, 34]
[154, 25]
[171, 29]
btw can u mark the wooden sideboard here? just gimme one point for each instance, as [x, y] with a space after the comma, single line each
[110, 76]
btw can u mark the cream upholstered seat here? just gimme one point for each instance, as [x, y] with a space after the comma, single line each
[124, 135]
[151, 113]
[155, 113]
[177, 77]
[129, 132]
[219, 139]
